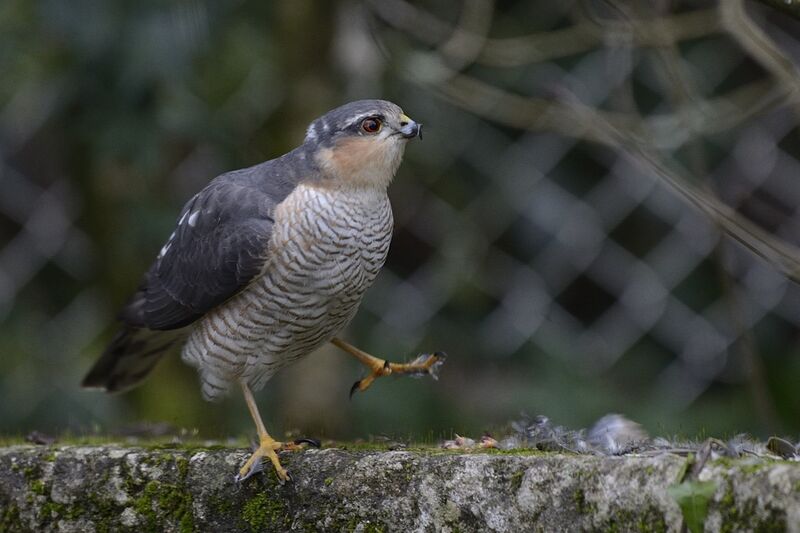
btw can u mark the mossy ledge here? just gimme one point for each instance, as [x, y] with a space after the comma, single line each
[117, 488]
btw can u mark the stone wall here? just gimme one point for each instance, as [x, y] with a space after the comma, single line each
[113, 488]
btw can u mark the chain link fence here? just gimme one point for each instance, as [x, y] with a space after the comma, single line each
[562, 231]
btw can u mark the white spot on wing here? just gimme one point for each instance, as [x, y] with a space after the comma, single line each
[193, 218]
[311, 132]
[165, 249]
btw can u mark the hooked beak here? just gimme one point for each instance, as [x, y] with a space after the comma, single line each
[409, 128]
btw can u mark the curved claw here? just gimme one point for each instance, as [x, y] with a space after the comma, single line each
[306, 440]
[255, 468]
[364, 384]
[428, 364]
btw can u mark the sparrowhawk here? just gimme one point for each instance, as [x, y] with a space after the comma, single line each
[268, 263]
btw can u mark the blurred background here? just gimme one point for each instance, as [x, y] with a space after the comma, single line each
[560, 232]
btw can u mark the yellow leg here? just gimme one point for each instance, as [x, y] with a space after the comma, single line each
[427, 364]
[267, 445]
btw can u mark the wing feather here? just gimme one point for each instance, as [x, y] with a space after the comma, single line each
[219, 245]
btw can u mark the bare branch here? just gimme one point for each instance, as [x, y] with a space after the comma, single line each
[467, 39]
[782, 255]
[787, 7]
[583, 36]
[667, 130]
[759, 45]
[587, 35]
[633, 137]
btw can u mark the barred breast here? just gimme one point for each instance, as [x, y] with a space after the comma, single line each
[326, 249]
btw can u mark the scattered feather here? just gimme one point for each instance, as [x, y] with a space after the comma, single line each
[615, 434]
[459, 443]
[42, 439]
[433, 370]
[782, 448]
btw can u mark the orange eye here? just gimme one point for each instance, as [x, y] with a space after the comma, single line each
[371, 125]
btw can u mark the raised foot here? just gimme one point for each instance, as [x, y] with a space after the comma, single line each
[268, 448]
[424, 365]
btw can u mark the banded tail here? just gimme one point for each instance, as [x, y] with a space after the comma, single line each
[130, 357]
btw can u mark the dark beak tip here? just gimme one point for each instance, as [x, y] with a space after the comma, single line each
[415, 130]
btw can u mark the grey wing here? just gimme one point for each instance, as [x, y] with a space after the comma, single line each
[220, 244]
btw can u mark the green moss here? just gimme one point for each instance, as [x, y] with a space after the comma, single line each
[261, 511]
[436, 450]
[746, 466]
[103, 512]
[37, 487]
[582, 504]
[651, 521]
[154, 443]
[742, 515]
[165, 500]
[159, 501]
[144, 504]
[727, 501]
[30, 472]
[363, 446]
[189, 445]
[516, 480]
[519, 451]
[222, 505]
[328, 481]
[749, 465]
[52, 511]
[183, 466]
[369, 527]
[9, 518]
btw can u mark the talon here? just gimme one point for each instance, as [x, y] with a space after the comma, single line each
[424, 364]
[438, 360]
[311, 442]
[364, 384]
[283, 476]
[254, 468]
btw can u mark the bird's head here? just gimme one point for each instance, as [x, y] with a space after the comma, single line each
[361, 143]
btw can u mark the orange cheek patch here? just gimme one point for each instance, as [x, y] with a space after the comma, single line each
[351, 156]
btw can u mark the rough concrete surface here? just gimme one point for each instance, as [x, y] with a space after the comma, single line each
[113, 488]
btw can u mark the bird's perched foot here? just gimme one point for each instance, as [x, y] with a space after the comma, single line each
[423, 365]
[269, 448]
